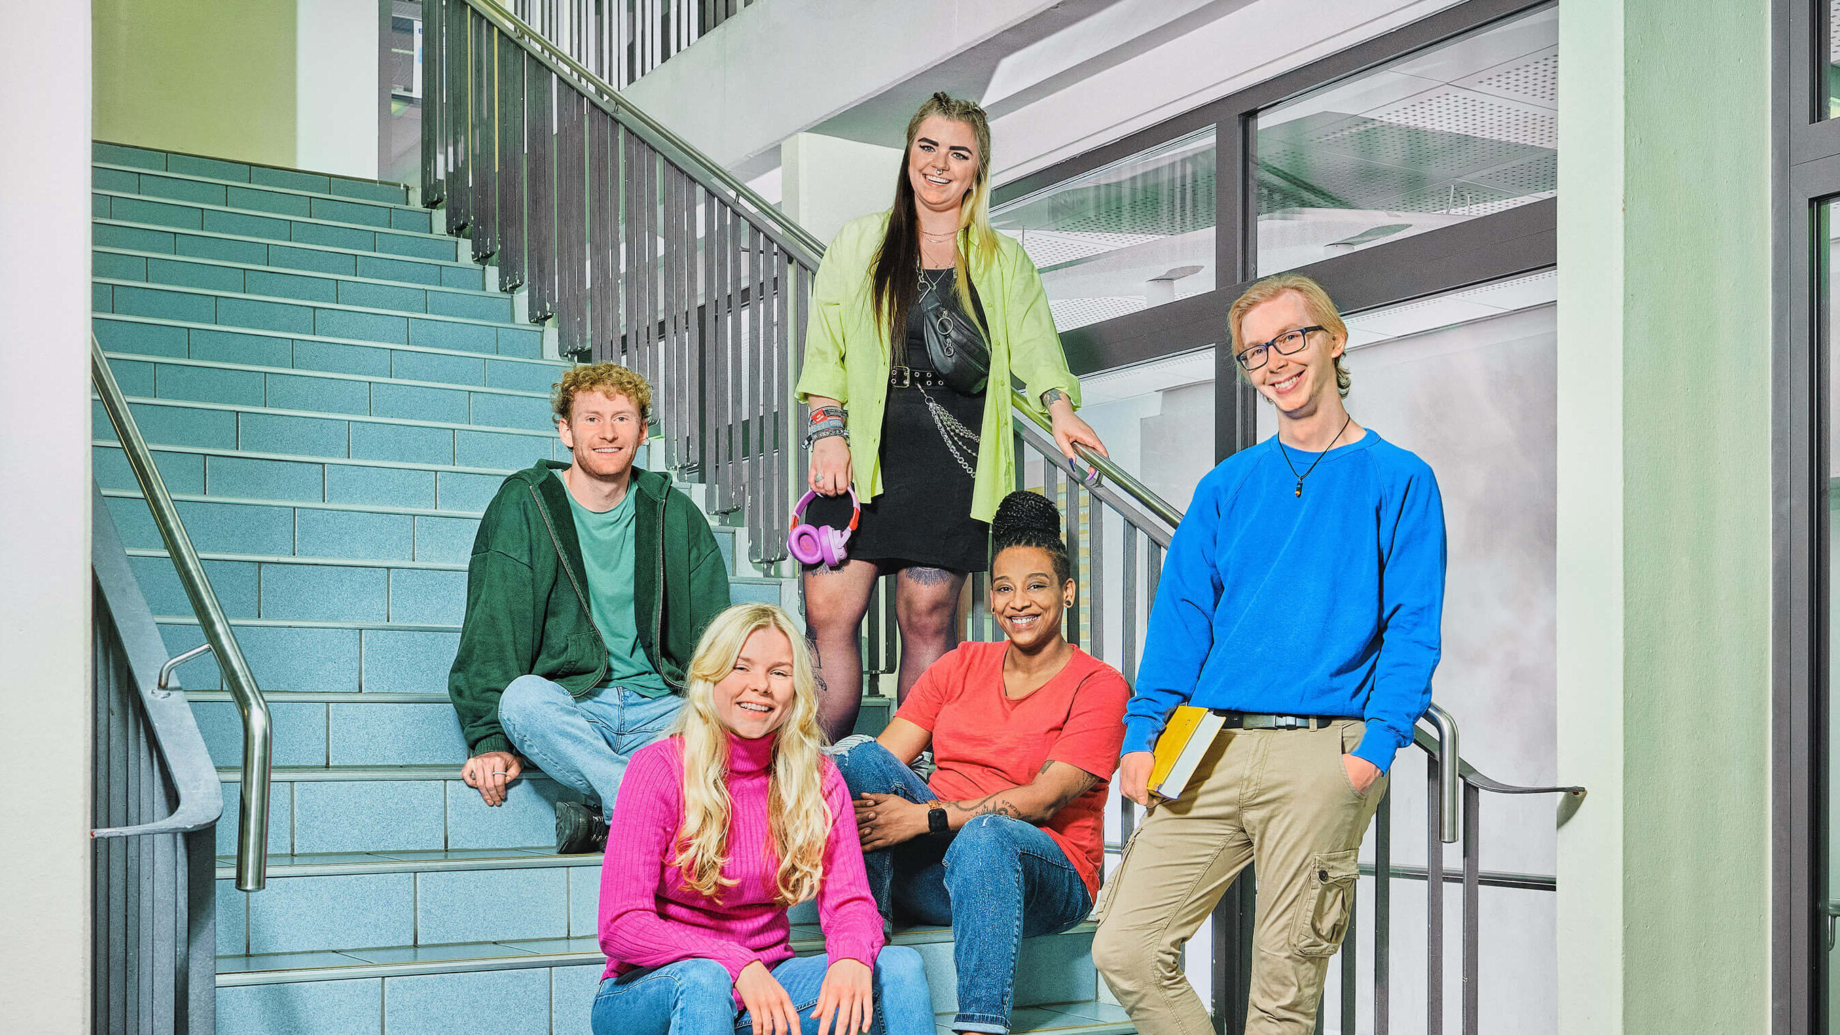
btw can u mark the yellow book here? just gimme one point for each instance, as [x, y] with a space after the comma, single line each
[1186, 738]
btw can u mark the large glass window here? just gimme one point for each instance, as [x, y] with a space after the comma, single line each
[1135, 234]
[1464, 130]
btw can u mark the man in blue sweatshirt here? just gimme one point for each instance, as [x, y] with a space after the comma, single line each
[1301, 599]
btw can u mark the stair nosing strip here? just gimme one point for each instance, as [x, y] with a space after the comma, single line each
[137, 357]
[324, 562]
[313, 623]
[386, 697]
[401, 465]
[512, 324]
[252, 185]
[200, 232]
[207, 206]
[191, 325]
[487, 863]
[250, 501]
[360, 969]
[289, 271]
[331, 415]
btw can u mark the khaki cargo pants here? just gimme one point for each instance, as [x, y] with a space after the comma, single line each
[1276, 798]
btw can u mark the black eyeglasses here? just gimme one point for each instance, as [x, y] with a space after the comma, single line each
[1254, 356]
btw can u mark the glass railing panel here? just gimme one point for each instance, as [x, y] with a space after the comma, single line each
[1135, 234]
[1466, 129]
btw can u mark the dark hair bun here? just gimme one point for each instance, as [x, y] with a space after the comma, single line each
[1030, 519]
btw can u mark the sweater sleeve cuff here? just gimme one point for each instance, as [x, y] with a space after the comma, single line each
[1378, 746]
[494, 742]
[1139, 735]
[862, 950]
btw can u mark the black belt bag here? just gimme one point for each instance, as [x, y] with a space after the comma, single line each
[957, 345]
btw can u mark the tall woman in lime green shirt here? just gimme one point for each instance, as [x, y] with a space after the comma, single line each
[929, 463]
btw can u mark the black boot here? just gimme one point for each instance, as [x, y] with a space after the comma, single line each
[579, 829]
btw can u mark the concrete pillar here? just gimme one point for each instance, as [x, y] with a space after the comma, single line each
[828, 181]
[1664, 515]
[44, 522]
[337, 81]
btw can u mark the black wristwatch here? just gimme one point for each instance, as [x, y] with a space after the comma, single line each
[936, 817]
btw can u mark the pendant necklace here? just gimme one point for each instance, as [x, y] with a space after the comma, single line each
[1319, 456]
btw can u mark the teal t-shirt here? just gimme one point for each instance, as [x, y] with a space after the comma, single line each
[607, 554]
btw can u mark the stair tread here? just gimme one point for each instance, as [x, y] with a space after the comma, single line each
[181, 203]
[300, 303]
[302, 245]
[328, 339]
[270, 188]
[213, 364]
[146, 400]
[290, 272]
[330, 863]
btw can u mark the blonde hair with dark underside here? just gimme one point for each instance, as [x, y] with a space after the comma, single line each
[1315, 299]
[607, 378]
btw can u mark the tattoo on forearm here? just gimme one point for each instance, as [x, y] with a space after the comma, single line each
[1051, 396]
[988, 805]
[1081, 786]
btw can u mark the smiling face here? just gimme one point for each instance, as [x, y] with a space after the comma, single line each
[942, 163]
[1296, 384]
[602, 432]
[756, 696]
[1026, 597]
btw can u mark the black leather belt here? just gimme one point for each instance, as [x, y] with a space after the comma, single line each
[908, 377]
[1260, 721]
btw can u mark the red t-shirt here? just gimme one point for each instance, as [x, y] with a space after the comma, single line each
[984, 742]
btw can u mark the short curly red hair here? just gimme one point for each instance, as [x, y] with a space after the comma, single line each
[607, 378]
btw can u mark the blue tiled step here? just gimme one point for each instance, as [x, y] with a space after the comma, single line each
[229, 472]
[299, 434]
[391, 809]
[178, 339]
[132, 208]
[255, 251]
[249, 526]
[293, 317]
[286, 389]
[330, 730]
[290, 657]
[141, 158]
[1049, 976]
[395, 214]
[233, 276]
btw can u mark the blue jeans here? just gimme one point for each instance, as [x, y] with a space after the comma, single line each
[583, 742]
[1010, 876]
[696, 997]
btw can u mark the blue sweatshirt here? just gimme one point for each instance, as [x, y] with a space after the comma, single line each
[1328, 604]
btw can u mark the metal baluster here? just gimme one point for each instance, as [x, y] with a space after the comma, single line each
[759, 312]
[716, 404]
[1128, 597]
[459, 65]
[482, 141]
[1095, 600]
[571, 220]
[1351, 943]
[511, 59]
[783, 411]
[539, 129]
[1434, 902]
[667, 352]
[629, 246]
[434, 115]
[1383, 913]
[705, 349]
[1472, 904]
[1072, 516]
[603, 216]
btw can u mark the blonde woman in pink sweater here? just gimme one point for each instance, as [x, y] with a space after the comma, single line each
[718, 830]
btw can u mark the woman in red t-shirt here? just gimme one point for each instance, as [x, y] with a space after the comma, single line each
[1010, 830]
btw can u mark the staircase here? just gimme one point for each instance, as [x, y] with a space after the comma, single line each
[332, 397]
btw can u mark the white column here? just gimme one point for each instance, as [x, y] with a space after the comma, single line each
[827, 181]
[336, 82]
[44, 518]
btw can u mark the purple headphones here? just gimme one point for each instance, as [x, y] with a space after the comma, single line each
[821, 544]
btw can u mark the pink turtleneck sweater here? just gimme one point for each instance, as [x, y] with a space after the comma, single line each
[649, 918]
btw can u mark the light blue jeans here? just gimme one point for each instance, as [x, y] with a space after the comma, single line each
[696, 997]
[583, 742]
[997, 881]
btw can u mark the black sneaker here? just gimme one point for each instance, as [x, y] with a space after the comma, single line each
[579, 829]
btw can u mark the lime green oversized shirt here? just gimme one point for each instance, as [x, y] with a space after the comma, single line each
[847, 358]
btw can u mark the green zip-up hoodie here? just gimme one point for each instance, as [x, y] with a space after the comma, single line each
[527, 609]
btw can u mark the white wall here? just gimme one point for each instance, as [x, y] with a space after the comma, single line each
[827, 181]
[336, 77]
[44, 521]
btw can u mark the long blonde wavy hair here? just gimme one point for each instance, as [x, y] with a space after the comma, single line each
[798, 818]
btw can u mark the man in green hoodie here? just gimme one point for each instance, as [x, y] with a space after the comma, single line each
[587, 589]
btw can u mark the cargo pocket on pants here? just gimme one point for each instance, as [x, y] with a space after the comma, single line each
[1322, 919]
[1109, 886]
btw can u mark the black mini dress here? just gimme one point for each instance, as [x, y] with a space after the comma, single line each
[929, 452]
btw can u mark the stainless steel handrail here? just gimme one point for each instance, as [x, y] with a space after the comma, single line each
[252, 825]
[798, 242]
[1448, 757]
[709, 173]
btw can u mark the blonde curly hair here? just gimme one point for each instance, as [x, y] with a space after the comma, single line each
[608, 378]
